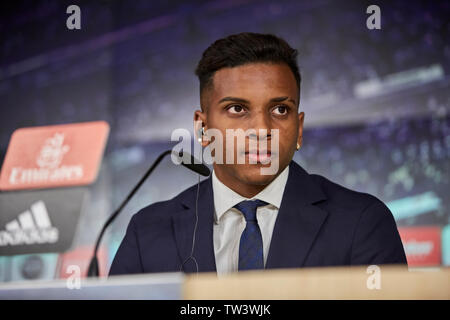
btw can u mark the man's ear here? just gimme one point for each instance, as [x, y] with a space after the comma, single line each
[301, 118]
[199, 122]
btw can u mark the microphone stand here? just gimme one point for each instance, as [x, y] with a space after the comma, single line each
[93, 270]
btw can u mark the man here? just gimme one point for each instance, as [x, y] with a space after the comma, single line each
[248, 220]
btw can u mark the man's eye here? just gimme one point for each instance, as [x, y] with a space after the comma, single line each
[280, 110]
[235, 109]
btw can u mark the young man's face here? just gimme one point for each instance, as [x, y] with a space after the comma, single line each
[253, 96]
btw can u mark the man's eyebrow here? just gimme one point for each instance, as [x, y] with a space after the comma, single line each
[280, 99]
[235, 99]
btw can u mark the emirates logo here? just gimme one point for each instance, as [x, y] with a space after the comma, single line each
[52, 152]
[49, 165]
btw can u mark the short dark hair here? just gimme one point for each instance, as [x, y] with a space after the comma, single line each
[243, 48]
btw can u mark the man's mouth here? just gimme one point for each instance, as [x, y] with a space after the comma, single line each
[261, 156]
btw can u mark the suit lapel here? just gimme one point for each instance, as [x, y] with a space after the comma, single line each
[184, 222]
[298, 221]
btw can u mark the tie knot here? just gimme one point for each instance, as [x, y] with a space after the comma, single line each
[248, 208]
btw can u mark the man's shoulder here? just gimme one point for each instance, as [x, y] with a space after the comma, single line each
[337, 192]
[344, 206]
[334, 192]
[349, 200]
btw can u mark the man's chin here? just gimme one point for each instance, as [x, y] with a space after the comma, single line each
[251, 174]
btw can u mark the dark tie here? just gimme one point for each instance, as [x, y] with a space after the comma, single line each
[251, 244]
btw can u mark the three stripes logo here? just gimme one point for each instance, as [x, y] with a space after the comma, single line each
[31, 227]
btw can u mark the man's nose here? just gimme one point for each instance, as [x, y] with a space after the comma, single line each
[260, 122]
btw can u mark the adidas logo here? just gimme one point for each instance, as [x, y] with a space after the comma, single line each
[31, 227]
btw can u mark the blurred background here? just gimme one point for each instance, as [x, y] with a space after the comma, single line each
[376, 102]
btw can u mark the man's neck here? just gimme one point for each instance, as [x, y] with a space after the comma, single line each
[243, 189]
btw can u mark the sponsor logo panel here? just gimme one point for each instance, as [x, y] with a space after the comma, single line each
[39, 221]
[54, 156]
[422, 245]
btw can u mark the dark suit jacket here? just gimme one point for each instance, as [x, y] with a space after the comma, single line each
[320, 223]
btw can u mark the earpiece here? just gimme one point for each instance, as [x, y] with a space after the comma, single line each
[201, 133]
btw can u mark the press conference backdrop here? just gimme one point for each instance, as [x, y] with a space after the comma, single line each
[376, 103]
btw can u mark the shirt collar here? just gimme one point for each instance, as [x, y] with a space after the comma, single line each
[225, 198]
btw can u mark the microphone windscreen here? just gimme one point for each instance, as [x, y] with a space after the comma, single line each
[194, 164]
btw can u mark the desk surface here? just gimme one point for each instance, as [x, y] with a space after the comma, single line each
[323, 283]
[165, 286]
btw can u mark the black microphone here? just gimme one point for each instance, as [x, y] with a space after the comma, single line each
[193, 164]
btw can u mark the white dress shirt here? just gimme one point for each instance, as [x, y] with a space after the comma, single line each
[229, 222]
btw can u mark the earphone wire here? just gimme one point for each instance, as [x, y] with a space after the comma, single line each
[191, 257]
